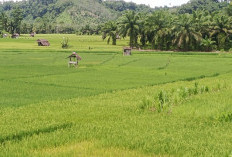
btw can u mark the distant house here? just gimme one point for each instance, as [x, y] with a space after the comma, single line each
[43, 42]
[127, 51]
[15, 35]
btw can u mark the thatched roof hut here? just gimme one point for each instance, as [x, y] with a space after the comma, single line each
[43, 42]
[74, 55]
[15, 35]
[127, 51]
[73, 59]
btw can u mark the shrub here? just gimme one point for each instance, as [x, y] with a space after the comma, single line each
[64, 42]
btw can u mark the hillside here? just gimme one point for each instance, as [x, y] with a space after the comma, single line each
[69, 15]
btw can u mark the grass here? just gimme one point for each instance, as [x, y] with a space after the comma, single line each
[48, 109]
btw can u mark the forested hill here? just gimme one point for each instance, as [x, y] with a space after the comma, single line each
[207, 5]
[85, 16]
[50, 16]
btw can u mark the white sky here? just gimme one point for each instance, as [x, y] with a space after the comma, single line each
[153, 3]
[158, 3]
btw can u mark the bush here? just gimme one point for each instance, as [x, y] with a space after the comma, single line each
[64, 43]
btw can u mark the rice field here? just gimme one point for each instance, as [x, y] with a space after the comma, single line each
[147, 104]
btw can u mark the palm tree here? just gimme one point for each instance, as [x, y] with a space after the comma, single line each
[221, 31]
[129, 26]
[208, 44]
[202, 20]
[142, 30]
[158, 29]
[186, 35]
[110, 30]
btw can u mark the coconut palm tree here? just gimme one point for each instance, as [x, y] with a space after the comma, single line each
[110, 30]
[129, 26]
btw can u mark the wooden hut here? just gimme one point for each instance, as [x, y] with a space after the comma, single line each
[43, 42]
[127, 51]
[73, 59]
[15, 35]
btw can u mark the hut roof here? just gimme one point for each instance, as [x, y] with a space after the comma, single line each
[127, 48]
[15, 35]
[75, 56]
[43, 42]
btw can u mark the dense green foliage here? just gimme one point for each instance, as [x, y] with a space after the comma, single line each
[200, 30]
[207, 5]
[67, 16]
[120, 5]
[147, 104]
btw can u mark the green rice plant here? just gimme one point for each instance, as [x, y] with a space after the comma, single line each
[164, 101]
[146, 103]
[226, 117]
[225, 85]
[207, 89]
[184, 92]
[176, 99]
[202, 89]
[190, 91]
[47, 109]
[195, 91]
[218, 86]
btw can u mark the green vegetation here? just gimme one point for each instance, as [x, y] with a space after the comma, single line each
[200, 25]
[67, 16]
[147, 104]
[152, 103]
[199, 30]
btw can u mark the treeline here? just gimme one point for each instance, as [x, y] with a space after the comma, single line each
[202, 25]
[13, 24]
[120, 5]
[69, 16]
[197, 30]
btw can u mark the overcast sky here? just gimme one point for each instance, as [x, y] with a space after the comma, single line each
[154, 3]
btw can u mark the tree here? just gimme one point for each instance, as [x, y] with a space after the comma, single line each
[129, 26]
[208, 44]
[158, 29]
[186, 35]
[221, 31]
[229, 9]
[15, 22]
[1, 24]
[110, 30]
